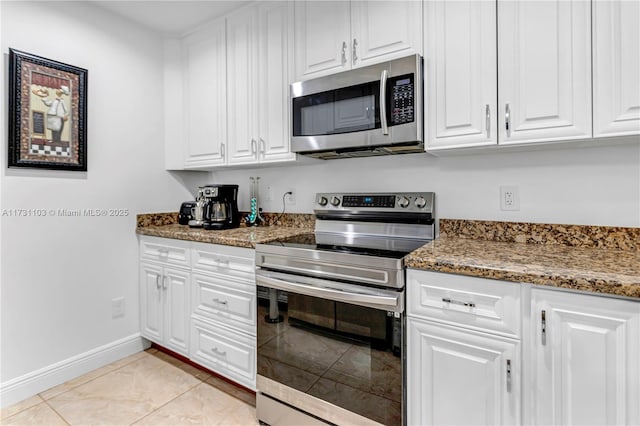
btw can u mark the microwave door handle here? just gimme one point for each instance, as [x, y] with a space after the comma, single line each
[383, 102]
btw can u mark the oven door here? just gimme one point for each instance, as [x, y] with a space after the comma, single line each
[331, 344]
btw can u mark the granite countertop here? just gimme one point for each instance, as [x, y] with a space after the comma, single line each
[589, 258]
[583, 267]
[244, 236]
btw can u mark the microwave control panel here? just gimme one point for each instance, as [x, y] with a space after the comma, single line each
[401, 99]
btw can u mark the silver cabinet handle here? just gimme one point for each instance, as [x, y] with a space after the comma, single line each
[222, 150]
[218, 352]
[163, 252]
[354, 56]
[383, 103]
[487, 123]
[508, 375]
[507, 120]
[158, 282]
[263, 146]
[457, 302]
[220, 302]
[543, 327]
[164, 282]
[344, 52]
[254, 146]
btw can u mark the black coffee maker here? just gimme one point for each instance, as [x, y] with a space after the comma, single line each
[221, 211]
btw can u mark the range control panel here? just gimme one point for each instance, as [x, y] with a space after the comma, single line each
[383, 202]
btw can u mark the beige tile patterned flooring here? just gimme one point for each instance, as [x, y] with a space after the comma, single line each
[148, 388]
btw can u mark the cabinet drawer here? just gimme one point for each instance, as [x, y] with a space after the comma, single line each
[232, 355]
[165, 250]
[232, 261]
[225, 300]
[476, 303]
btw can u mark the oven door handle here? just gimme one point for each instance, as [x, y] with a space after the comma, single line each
[391, 303]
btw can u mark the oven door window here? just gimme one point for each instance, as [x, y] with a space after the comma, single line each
[345, 110]
[345, 354]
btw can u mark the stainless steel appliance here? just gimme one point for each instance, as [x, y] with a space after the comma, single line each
[331, 311]
[374, 110]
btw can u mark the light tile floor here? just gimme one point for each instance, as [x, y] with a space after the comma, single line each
[148, 388]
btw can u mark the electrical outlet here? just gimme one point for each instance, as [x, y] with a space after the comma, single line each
[117, 307]
[268, 196]
[509, 198]
[290, 198]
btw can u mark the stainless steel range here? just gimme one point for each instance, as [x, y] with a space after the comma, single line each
[331, 311]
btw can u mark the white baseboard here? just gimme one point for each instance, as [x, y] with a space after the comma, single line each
[30, 384]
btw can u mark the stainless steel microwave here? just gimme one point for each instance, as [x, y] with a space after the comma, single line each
[373, 110]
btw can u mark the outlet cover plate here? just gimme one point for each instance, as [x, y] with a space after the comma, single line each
[509, 198]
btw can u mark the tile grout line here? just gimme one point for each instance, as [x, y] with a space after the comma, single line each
[57, 413]
[171, 400]
[2, 419]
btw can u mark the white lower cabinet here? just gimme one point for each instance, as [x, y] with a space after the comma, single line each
[585, 359]
[199, 300]
[164, 307]
[461, 377]
[488, 352]
[228, 352]
[463, 365]
[223, 311]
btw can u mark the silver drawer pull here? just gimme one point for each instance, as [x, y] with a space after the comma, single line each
[508, 375]
[457, 302]
[220, 302]
[218, 352]
[543, 327]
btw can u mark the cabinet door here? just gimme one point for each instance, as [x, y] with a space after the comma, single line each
[461, 377]
[383, 30]
[151, 302]
[242, 86]
[205, 97]
[322, 38]
[544, 57]
[460, 71]
[275, 56]
[587, 361]
[175, 284]
[616, 68]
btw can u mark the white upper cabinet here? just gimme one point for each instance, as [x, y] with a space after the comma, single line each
[544, 75]
[383, 30]
[540, 89]
[242, 82]
[322, 38]
[275, 59]
[460, 73]
[204, 85]
[334, 36]
[616, 68]
[259, 67]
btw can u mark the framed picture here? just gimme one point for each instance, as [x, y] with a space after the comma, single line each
[47, 113]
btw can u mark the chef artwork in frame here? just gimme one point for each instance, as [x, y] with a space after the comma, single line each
[47, 113]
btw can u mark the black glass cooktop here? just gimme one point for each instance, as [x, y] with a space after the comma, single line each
[348, 244]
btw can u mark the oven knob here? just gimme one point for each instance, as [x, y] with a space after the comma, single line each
[403, 202]
[420, 202]
[335, 201]
[323, 201]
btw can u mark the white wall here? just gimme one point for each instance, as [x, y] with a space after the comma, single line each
[59, 274]
[573, 185]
